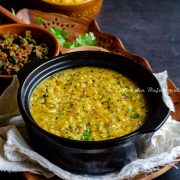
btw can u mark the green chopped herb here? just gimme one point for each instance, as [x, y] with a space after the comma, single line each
[86, 135]
[60, 35]
[87, 39]
[23, 40]
[13, 11]
[40, 20]
[70, 44]
[134, 116]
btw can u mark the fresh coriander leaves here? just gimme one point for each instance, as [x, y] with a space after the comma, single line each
[134, 116]
[87, 39]
[60, 35]
[40, 20]
[86, 135]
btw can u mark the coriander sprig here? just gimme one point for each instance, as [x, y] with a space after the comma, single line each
[87, 39]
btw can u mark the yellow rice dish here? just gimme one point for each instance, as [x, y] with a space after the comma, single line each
[66, 2]
[88, 103]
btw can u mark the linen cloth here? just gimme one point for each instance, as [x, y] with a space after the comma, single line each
[16, 155]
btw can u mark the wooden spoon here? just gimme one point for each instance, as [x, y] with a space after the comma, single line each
[8, 17]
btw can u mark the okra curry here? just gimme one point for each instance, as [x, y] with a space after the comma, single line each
[89, 103]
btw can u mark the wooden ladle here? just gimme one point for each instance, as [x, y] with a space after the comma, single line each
[7, 17]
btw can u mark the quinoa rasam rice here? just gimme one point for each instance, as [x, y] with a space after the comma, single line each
[88, 103]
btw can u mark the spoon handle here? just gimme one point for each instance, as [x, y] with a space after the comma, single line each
[7, 17]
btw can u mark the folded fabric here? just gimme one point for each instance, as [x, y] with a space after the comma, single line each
[16, 154]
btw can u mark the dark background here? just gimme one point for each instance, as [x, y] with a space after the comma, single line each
[148, 28]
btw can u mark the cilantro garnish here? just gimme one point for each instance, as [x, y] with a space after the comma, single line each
[87, 39]
[40, 20]
[60, 35]
[86, 135]
[134, 116]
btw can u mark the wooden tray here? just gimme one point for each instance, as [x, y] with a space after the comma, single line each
[74, 27]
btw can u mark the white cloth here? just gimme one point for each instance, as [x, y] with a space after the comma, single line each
[17, 156]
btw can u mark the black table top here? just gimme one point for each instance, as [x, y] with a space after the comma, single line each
[148, 28]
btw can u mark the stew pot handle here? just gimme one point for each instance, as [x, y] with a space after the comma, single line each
[157, 119]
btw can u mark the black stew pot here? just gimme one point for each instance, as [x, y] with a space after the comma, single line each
[91, 157]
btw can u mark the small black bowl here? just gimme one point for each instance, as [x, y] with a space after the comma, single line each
[91, 157]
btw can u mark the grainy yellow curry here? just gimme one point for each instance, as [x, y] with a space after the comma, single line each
[88, 103]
